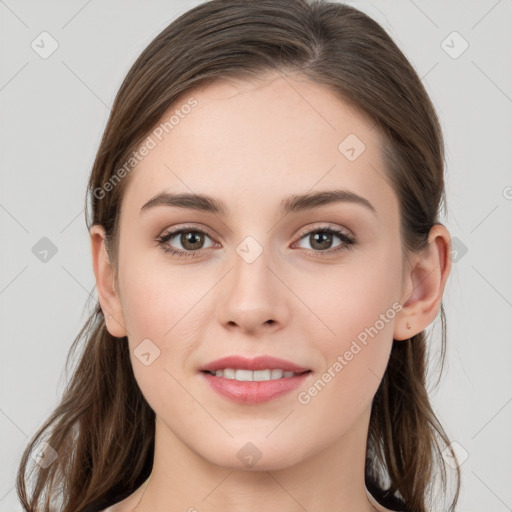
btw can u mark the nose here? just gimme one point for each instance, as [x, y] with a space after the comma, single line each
[252, 297]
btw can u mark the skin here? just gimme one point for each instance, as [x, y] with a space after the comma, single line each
[251, 144]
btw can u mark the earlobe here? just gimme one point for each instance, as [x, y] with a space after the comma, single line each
[424, 284]
[105, 283]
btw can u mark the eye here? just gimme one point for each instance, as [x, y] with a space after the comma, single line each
[190, 238]
[321, 240]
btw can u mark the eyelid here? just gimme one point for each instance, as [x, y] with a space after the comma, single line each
[320, 226]
[304, 231]
[176, 229]
[338, 231]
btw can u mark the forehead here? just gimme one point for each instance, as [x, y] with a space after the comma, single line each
[242, 140]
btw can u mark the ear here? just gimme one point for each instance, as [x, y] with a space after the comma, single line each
[106, 284]
[423, 284]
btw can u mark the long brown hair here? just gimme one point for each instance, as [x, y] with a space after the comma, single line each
[103, 429]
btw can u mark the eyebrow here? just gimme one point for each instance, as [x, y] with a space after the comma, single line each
[291, 204]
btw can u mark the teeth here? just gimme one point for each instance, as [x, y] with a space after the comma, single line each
[228, 373]
[245, 375]
[276, 374]
[261, 375]
[249, 375]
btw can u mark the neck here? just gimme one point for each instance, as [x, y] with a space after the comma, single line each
[330, 479]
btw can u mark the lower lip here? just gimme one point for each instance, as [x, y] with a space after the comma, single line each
[254, 392]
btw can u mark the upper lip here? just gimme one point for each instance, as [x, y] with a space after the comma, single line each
[258, 363]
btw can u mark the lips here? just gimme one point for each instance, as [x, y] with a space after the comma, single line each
[258, 363]
[252, 393]
[254, 386]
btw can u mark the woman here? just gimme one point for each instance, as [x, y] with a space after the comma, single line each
[268, 254]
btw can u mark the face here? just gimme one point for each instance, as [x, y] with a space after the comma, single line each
[256, 279]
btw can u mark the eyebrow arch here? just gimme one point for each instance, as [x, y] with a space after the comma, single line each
[291, 204]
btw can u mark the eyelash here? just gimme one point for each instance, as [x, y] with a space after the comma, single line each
[348, 241]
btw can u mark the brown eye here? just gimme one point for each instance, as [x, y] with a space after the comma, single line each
[191, 241]
[322, 240]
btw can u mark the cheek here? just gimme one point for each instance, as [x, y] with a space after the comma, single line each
[353, 296]
[359, 306]
[166, 309]
[157, 299]
[168, 313]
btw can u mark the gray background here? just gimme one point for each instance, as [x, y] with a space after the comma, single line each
[53, 114]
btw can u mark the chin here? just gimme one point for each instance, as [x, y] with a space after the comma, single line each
[256, 455]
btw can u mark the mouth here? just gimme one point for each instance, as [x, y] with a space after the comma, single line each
[253, 381]
[238, 367]
[242, 375]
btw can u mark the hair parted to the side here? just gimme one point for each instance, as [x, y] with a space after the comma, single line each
[103, 429]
